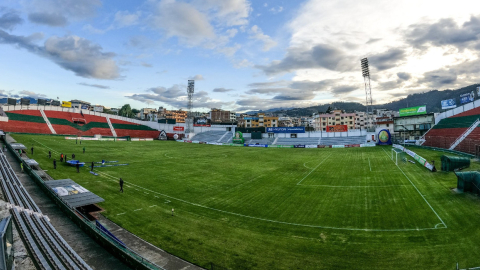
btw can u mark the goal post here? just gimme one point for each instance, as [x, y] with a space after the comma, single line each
[398, 155]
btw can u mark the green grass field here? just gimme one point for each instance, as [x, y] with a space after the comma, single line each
[279, 208]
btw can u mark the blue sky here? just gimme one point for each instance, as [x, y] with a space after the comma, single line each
[244, 55]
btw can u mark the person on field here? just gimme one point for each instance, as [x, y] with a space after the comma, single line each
[173, 210]
[61, 157]
[103, 162]
[65, 158]
[121, 185]
[78, 166]
[32, 149]
[73, 156]
[92, 166]
[83, 148]
[49, 154]
[54, 164]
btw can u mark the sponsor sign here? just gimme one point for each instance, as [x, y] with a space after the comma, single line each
[367, 145]
[311, 146]
[448, 104]
[384, 137]
[338, 146]
[66, 104]
[250, 118]
[467, 97]
[413, 110]
[418, 158]
[299, 146]
[98, 108]
[11, 101]
[281, 146]
[178, 128]
[195, 142]
[322, 146]
[337, 128]
[256, 145]
[285, 129]
[199, 125]
[84, 107]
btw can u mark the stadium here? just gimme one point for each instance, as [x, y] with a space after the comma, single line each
[274, 203]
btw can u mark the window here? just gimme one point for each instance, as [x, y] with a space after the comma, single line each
[388, 125]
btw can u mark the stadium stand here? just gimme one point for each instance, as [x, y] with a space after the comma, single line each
[227, 137]
[48, 248]
[124, 128]
[444, 133]
[259, 141]
[342, 140]
[297, 141]
[68, 123]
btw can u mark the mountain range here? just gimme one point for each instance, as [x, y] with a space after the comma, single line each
[432, 99]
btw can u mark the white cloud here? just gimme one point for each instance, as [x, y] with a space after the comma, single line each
[257, 33]
[182, 20]
[125, 18]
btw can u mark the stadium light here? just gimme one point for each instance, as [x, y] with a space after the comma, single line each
[368, 88]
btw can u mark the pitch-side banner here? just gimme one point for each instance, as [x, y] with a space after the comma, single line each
[286, 129]
[413, 110]
[418, 158]
[448, 104]
[66, 104]
[337, 128]
[466, 98]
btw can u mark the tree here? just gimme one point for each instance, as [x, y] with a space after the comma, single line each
[329, 110]
[127, 111]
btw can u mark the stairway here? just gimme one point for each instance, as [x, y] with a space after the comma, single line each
[48, 122]
[111, 127]
[464, 135]
[275, 141]
[219, 140]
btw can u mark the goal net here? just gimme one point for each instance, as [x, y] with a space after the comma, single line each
[398, 156]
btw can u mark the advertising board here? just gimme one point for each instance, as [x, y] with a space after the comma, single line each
[285, 129]
[337, 128]
[448, 104]
[66, 104]
[299, 146]
[98, 108]
[413, 110]
[467, 97]
[256, 145]
[177, 128]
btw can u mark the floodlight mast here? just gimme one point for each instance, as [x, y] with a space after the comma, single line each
[189, 120]
[368, 88]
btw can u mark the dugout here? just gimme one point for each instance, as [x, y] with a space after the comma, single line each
[468, 182]
[451, 163]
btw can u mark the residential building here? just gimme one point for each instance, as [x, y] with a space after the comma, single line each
[218, 116]
[259, 120]
[80, 104]
[178, 115]
[337, 117]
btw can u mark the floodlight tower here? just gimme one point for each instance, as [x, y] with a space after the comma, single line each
[189, 120]
[368, 88]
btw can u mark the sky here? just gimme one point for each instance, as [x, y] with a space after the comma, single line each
[243, 55]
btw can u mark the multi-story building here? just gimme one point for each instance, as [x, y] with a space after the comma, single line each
[178, 115]
[259, 120]
[80, 104]
[218, 116]
[285, 121]
[337, 117]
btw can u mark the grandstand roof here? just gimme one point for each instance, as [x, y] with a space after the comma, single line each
[72, 193]
[31, 162]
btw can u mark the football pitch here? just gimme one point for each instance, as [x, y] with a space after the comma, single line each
[279, 208]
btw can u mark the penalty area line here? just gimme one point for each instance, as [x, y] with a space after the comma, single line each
[313, 169]
[277, 221]
[423, 197]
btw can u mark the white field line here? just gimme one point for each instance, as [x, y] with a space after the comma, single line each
[274, 221]
[46, 146]
[137, 209]
[369, 164]
[313, 169]
[153, 205]
[121, 214]
[423, 197]
[355, 186]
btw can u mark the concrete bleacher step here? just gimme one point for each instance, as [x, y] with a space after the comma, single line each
[111, 127]
[48, 122]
